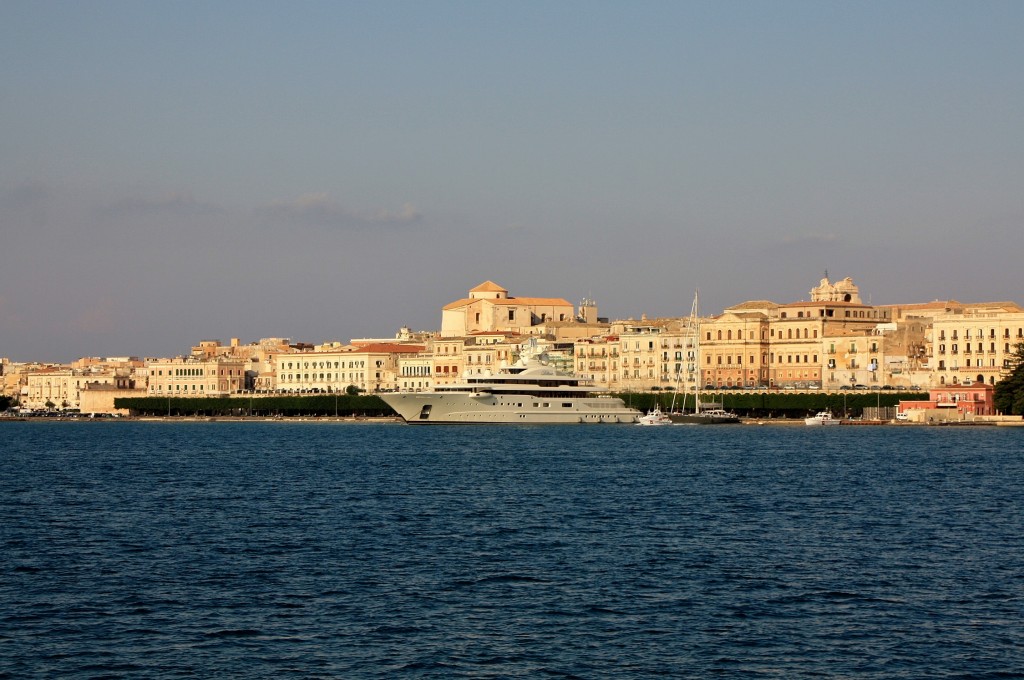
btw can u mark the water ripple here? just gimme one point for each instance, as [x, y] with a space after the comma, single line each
[333, 550]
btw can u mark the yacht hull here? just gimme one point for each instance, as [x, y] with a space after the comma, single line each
[693, 419]
[431, 408]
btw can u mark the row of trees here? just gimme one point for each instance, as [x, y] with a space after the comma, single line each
[774, 404]
[1009, 399]
[1009, 392]
[755, 404]
[342, 405]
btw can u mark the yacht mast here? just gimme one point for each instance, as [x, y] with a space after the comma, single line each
[694, 353]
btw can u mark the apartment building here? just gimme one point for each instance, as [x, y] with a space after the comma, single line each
[975, 343]
[62, 388]
[197, 377]
[597, 360]
[734, 347]
[369, 368]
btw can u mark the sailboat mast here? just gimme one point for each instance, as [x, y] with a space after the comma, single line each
[695, 343]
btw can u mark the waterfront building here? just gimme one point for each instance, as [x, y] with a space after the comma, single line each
[368, 368]
[61, 388]
[975, 343]
[735, 347]
[415, 372]
[597, 360]
[197, 377]
[640, 346]
[947, 403]
[97, 397]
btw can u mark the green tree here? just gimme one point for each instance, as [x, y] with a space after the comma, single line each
[1009, 392]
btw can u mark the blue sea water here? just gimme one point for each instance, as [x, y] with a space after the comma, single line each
[277, 549]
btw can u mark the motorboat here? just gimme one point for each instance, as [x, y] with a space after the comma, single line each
[654, 417]
[822, 418]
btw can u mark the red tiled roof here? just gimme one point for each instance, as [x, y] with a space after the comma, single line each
[488, 287]
[389, 348]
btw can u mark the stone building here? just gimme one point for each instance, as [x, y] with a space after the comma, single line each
[489, 307]
[197, 377]
[368, 368]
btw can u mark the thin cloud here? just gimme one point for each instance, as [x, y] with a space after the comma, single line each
[26, 201]
[95, 319]
[11, 319]
[320, 210]
[175, 204]
[811, 240]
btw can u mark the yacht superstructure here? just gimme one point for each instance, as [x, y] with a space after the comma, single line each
[529, 391]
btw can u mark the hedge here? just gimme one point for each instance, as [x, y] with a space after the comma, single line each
[343, 405]
[775, 404]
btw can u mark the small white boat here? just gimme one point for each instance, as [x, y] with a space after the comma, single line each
[822, 418]
[654, 417]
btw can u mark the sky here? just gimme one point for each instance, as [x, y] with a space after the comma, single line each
[178, 171]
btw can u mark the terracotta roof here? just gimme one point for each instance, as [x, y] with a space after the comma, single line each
[532, 301]
[458, 303]
[488, 287]
[754, 304]
[1008, 306]
[389, 348]
[827, 303]
[510, 301]
[935, 304]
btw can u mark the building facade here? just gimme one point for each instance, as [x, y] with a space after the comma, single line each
[490, 308]
[197, 377]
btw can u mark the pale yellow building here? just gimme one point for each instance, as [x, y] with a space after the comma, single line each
[196, 377]
[597, 360]
[975, 343]
[368, 368]
[735, 347]
[415, 372]
[489, 308]
[61, 388]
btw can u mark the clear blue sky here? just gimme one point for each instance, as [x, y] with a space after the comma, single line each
[177, 171]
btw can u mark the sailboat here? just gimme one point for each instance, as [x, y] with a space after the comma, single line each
[705, 416]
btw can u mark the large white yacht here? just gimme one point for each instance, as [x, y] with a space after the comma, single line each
[529, 391]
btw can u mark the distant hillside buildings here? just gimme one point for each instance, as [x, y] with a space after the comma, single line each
[832, 341]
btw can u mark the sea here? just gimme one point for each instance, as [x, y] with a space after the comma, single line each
[380, 550]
